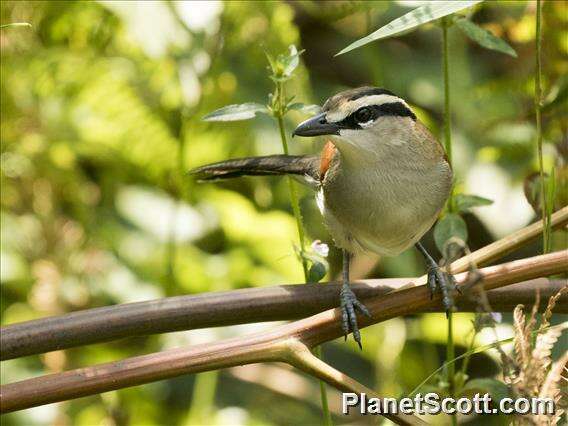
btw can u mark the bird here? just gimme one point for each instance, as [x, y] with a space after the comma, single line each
[381, 181]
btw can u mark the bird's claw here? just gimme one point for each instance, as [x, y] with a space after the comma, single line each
[440, 280]
[350, 304]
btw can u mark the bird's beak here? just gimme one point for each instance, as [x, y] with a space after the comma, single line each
[316, 126]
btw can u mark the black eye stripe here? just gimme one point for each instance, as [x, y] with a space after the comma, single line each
[396, 108]
[391, 109]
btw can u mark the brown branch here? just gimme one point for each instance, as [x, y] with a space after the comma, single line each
[228, 308]
[511, 242]
[326, 325]
[300, 356]
[279, 303]
[242, 306]
[506, 245]
[277, 344]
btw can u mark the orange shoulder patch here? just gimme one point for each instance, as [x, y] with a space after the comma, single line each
[327, 154]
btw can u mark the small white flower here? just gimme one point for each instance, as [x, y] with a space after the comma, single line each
[497, 317]
[320, 248]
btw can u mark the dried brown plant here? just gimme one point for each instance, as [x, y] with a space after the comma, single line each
[534, 375]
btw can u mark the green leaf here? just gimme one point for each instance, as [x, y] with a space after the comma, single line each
[291, 61]
[15, 24]
[557, 97]
[498, 390]
[483, 37]
[533, 191]
[272, 62]
[284, 64]
[413, 19]
[237, 112]
[459, 379]
[308, 109]
[465, 202]
[451, 225]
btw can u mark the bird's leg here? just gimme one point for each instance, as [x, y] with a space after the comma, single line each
[349, 304]
[439, 280]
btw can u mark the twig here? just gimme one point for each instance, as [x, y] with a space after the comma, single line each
[300, 356]
[538, 123]
[450, 348]
[506, 245]
[278, 303]
[15, 25]
[272, 345]
[216, 309]
[445, 23]
[292, 187]
[294, 201]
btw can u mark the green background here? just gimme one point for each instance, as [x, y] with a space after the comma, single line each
[100, 120]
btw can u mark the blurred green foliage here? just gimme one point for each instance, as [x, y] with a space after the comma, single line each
[101, 107]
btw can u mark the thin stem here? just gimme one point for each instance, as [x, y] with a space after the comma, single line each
[450, 348]
[300, 357]
[451, 354]
[16, 24]
[323, 393]
[298, 216]
[171, 251]
[447, 113]
[203, 400]
[550, 192]
[538, 105]
[465, 362]
[171, 244]
[294, 199]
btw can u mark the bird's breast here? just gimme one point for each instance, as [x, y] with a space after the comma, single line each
[383, 207]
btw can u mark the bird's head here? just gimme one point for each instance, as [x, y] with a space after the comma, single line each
[361, 117]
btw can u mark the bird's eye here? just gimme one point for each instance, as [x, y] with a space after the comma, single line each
[362, 115]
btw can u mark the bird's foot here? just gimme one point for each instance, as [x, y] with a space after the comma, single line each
[350, 304]
[440, 280]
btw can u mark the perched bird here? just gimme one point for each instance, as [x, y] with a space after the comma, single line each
[381, 181]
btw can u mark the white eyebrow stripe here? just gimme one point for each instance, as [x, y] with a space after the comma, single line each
[349, 107]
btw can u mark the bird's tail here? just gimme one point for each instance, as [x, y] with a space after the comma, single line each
[305, 166]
